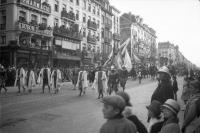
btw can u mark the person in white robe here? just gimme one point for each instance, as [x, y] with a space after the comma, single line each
[56, 80]
[30, 80]
[20, 79]
[82, 82]
[100, 82]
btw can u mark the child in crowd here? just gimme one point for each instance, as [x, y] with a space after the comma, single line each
[112, 111]
[128, 112]
[170, 111]
[155, 118]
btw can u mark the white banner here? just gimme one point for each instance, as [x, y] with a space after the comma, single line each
[58, 42]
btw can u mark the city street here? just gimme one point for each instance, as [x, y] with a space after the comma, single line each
[66, 112]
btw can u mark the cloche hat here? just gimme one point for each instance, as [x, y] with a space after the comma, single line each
[172, 105]
[164, 69]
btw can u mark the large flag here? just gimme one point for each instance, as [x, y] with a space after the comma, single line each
[127, 61]
[120, 57]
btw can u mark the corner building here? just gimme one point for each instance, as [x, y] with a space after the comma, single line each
[25, 34]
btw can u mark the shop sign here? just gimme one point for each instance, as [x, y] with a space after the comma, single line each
[35, 29]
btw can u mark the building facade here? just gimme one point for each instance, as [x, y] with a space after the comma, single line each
[167, 53]
[116, 27]
[25, 35]
[57, 32]
[143, 38]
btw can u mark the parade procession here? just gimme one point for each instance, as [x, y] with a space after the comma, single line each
[87, 66]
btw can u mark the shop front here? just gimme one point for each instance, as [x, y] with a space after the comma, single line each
[32, 46]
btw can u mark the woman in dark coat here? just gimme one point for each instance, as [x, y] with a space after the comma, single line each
[164, 90]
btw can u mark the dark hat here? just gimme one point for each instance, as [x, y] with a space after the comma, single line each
[125, 96]
[155, 107]
[115, 101]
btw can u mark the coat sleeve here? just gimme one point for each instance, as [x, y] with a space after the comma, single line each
[170, 128]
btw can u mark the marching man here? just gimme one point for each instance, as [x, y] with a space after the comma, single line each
[100, 82]
[82, 82]
[56, 80]
[20, 79]
[30, 79]
[44, 78]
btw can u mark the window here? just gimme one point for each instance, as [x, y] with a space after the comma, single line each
[55, 22]
[22, 16]
[44, 21]
[3, 39]
[89, 18]
[94, 10]
[56, 7]
[89, 7]
[84, 32]
[84, 17]
[98, 12]
[84, 4]
[77, 15]
[3, 1]
[89, 32]
[64, 7]
[33, 18]
[77, 2]
[98, 37]
[71, 9]
[103, 19]
[98, 23]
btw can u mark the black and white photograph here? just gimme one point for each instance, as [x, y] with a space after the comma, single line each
[99, 66]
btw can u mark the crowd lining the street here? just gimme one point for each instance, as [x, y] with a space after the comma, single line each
[162, 112]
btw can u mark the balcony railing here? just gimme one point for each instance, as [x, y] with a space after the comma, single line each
[3, 27]
[35, 29]
[92, 25]
[42, 7]
[107, 40]
[68, 15]
[116, 36]
[71, 32]
[91, 39]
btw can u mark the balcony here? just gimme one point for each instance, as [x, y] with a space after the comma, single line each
[71, 32]
[34, 29]
[116, 37]
[92, 25]
[107, 40]
[68, 15]
[3, 27]
[108, 26]
[91, 39]
[38, 6]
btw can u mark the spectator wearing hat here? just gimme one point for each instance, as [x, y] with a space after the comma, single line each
[164, 90]
[128, 112]
[175, 86]
[123, 77]
[112, 111]
[191, 122]
[155, 118]
[170, 111]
